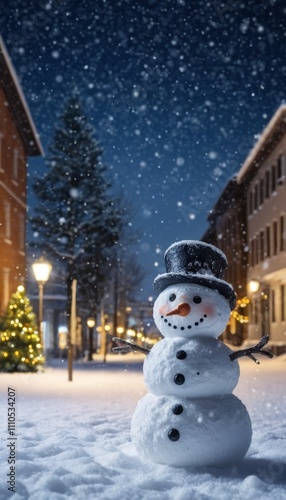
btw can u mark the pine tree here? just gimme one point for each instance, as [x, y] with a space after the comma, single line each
[76, 221]
[20, 348]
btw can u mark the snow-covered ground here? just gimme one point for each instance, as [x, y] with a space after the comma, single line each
[73, 438]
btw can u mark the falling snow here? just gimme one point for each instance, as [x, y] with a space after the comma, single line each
[167, 85]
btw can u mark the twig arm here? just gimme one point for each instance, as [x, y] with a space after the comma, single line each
[125, 346]
[255, 349]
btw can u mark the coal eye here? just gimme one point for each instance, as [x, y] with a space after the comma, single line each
[197, 299]
[172, 297]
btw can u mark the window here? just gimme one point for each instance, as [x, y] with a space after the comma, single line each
[1, 165]
[252, 252]
[261, 191]
[255, 305]
[267, 184]
[250, 202]
[268, 240]
[281, 231]
[282, 292]
[273, 178]
[262, 245]
[6, 288]
[21, 232]
[15, 164]
[7, 219]
[256, 197]
[256, 250]
[273, 314]
[281, 170]
[275, 238]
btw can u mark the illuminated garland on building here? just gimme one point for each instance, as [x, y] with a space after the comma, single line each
[240, 303]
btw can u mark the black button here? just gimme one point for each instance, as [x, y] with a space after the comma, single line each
[181, 354]
[177, 409]
[179, 379]
[173, 435]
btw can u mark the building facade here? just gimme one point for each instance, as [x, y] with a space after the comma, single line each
[248, 223]
[264, 175]
[227, 231]
[18, 140]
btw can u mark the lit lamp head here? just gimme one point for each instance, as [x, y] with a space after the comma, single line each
[253, 286]
[42, 270]
[90, 322]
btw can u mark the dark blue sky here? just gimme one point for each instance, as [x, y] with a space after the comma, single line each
[176, 89]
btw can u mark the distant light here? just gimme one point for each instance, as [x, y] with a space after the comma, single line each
[90, 322]
[253, 286]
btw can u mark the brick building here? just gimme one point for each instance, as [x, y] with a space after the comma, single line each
[227, 231]
[18, 140]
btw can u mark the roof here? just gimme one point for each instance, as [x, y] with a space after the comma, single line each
[18, 105]
[224, 198]
[268, 139]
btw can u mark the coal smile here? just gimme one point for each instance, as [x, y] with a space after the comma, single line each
[188, 327]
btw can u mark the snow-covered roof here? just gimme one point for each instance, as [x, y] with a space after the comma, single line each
[18, 104]
[279, 116]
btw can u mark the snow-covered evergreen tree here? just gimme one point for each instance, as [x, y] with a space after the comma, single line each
[75, 221]
[20, 348]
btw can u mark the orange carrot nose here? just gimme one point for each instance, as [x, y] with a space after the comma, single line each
[182, 309]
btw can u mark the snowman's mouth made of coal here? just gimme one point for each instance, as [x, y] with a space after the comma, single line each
[187, 327]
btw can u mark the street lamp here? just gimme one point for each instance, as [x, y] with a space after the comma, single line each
[90, 323]
[42, 270]
[253, 286]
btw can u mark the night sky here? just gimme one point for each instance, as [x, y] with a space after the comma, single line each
[177, 91]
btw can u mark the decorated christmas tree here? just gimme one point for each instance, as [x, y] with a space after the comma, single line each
[20, 347]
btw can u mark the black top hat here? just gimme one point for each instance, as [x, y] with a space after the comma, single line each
[195, 262]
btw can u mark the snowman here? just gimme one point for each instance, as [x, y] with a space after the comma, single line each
[190, 416]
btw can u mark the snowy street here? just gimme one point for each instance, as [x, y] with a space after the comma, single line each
[73, 438]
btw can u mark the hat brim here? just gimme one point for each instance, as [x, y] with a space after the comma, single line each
[162, 281]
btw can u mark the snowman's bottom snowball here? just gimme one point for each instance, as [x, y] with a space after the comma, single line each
[207, 432]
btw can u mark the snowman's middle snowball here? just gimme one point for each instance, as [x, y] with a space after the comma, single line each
[196, 367]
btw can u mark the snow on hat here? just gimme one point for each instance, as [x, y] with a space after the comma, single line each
[191, 261]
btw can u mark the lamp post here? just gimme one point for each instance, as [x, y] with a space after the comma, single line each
[42, 270]
[90, 323]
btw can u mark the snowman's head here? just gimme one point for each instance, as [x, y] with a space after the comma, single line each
[189, 310]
